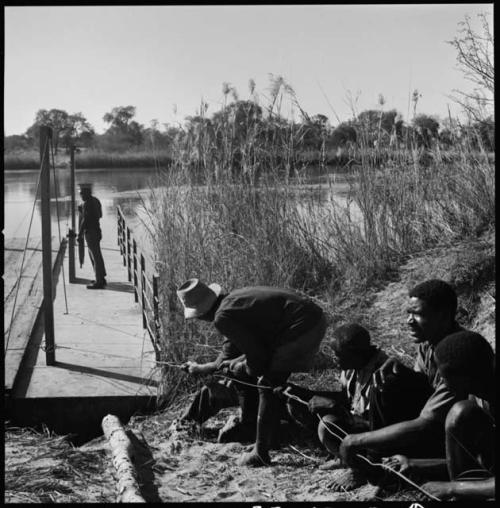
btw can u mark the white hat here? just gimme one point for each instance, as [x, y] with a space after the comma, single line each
[197, 298]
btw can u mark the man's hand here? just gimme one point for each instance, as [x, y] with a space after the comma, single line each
[239, 369]
[198, 369]
[348, 449]
[399, 463]
[390, 367]
[318, 403]
[441, 490]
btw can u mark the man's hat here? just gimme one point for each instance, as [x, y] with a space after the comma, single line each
[197, 298]
[85, 186]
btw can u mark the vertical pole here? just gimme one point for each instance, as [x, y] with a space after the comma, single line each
[124, 240]
[156, 315]
[136, 282]
[143, 291]
[72, 231]
[48, 310]
[129, 260]
[118, 228]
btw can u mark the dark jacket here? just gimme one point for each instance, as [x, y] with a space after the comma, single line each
[257, 321]
[91, 212]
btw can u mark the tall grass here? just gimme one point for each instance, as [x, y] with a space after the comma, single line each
[250, 223]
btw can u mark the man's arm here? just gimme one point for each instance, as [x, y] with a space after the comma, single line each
[431, 468]
[390, 439]
[464, 489]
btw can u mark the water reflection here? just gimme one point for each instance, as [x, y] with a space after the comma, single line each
[113, 187]
[129, 188]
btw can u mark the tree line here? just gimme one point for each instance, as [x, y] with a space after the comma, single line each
[373, 127]
[249, 122]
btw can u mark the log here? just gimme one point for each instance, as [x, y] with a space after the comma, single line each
[123, 460]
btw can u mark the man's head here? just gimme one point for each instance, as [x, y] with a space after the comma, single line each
[431, 310]
[352, 346]
[85, 191]
[466, 363]
[197, 298]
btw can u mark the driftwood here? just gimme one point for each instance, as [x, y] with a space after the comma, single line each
[123, 458]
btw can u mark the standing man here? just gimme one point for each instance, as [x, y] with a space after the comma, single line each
[91, 212]
[269, 333]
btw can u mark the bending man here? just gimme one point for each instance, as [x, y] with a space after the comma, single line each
[269, 333]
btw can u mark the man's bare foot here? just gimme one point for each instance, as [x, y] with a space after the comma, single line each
[253, 459]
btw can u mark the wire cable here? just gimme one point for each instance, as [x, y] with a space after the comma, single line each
[18, 282]
[58, 220]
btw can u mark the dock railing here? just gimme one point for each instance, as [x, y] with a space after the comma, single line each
[144, 279]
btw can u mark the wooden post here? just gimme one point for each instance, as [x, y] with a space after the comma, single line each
[48, 310]
[124, 242]
[143, 291]
[72, 231]
[156, 315]
[118, 228]
[129, 260]
[136, 282]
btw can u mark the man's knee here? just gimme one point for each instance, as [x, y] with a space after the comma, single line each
[462, 413]
[325, 434]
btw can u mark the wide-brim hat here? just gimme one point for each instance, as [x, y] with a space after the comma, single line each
[197, 298]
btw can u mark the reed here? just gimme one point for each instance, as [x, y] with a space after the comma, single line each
[233, 210]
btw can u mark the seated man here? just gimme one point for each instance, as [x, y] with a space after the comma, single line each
[269, 333]
[465, 362]
[350, 409]
[431, 317]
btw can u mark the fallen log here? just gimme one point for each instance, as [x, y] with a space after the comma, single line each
[123, 460]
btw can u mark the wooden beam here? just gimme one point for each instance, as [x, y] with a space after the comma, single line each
[48, 308]
[72, 231]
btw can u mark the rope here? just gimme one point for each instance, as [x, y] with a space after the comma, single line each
[340, 438]
[18, 282]
[58, 220]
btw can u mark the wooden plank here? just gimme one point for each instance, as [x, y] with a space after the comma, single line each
[28, 303]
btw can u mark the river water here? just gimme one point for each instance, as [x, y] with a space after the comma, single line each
[128, 188]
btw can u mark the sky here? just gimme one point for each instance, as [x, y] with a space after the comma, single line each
[165, 59]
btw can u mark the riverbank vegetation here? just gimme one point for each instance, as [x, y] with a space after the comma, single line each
[233, 211]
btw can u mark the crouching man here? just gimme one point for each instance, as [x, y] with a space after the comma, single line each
[269, 333]
[351, 410]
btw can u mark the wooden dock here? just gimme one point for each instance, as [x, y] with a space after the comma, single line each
[23, 297]
[105, 361]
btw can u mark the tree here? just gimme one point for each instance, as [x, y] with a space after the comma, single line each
[56, 119]
[475, 60]
[377, 125]
[16, 142]
[120, 117]
[66, 128]
[426, 129]
[342, 134]
[123, 132]
[78, 131]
